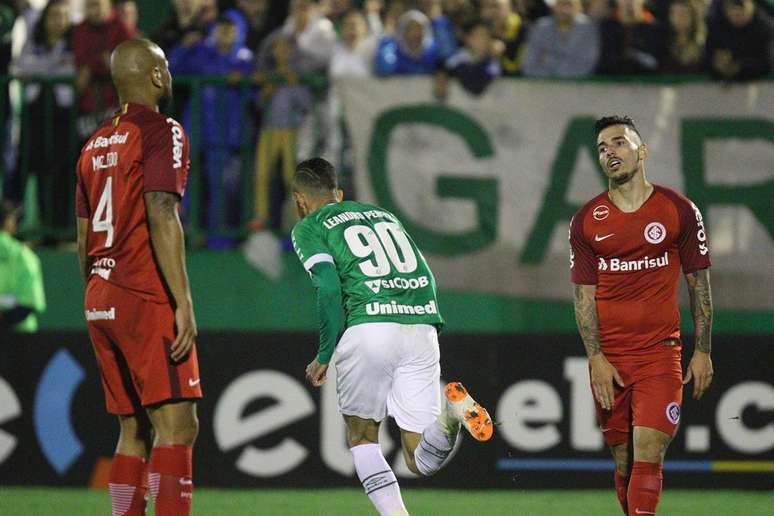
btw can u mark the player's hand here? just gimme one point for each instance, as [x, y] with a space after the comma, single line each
[185, 323]
[700, 371]
[316, 373]
[603, 374]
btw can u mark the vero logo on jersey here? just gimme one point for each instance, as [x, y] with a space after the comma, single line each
[397, 283]
[618, 265]
[177, 143]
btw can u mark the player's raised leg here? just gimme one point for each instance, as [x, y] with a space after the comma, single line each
[176, 427]
[128, 482]
[430, 451]
[374, 472]
[650, 446]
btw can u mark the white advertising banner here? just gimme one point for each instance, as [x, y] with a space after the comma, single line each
[487, 185]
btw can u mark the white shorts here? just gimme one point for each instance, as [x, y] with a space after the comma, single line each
[390, 369]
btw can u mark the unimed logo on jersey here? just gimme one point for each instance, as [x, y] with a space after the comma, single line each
[618, 265]
[395, 308]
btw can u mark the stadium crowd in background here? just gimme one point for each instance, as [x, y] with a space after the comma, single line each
[288, 114]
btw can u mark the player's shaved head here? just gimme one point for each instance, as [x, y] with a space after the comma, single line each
[139, 71]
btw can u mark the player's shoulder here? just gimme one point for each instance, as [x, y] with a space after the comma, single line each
[598, 207]
[672, 196]
[381, 211]
[305, 225]
[99, 137]
[150, 121]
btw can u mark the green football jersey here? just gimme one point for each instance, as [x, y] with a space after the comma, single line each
[384, 277]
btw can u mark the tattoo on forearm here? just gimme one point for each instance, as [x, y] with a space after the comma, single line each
[586, 317]
[701, 308]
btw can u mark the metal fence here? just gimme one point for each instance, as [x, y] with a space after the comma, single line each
[42, 141]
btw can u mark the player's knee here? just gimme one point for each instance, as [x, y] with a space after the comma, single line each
[651, 450]
[621, 459]
[622, 467]
[179, 430]
[359, 438]
[361, 431]
[136, 435]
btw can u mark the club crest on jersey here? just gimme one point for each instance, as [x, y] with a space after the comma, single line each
[601, 212]
[673, 412]
[655, 233]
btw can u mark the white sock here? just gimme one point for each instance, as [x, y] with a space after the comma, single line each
[378, 480]
[436, 448]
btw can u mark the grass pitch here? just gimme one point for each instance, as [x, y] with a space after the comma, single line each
[345, 502]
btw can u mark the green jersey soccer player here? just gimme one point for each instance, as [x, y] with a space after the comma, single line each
[361, 258]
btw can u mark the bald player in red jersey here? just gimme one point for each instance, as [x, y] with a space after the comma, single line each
[131, 176]
[628, 246]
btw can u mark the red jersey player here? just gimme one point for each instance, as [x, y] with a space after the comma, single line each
[131, 176]
[628, 245]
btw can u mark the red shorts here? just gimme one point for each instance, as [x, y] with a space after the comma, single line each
[132, 339]
[652, 397]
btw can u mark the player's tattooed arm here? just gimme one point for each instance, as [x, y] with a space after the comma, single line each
[586, 317]
[83, 233]
[701, 307]
[603, 374]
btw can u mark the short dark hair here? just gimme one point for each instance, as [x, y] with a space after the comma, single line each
[606, 121]
[316, 174]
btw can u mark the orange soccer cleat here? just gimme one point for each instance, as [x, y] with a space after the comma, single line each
[470, 414]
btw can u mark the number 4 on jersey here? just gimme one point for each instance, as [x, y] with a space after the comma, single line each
[103, 216]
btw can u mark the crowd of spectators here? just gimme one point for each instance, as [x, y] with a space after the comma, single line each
[270, 52]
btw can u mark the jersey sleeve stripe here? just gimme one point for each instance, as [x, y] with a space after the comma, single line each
[318, 258]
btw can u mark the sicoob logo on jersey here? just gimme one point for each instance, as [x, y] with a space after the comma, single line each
[655, 232]
[601, 212]
[673, 412]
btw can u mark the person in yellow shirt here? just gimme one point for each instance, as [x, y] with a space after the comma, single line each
[21, 279]
[508, 31]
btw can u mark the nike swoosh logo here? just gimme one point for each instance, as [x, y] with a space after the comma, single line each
[193, 383]
[184, 482]
[605, 430]
[598, 238]
[637, 511]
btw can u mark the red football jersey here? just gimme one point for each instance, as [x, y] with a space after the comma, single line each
[137, 151]
[634, 259]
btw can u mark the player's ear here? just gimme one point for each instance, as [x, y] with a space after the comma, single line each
[642, 151]
[339, 195]
[156, 77]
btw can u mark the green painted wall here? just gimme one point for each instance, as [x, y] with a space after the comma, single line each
[230, 294]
